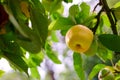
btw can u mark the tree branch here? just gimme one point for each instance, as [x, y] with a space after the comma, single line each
[98, 20]
[109, 14]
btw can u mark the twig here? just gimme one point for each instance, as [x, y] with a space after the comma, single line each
[109, 14]
[98, 20]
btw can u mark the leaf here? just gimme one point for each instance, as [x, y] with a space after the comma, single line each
[85, 9]
[13, 10]
[1, 72]
[35, 59]
[52, 5]
[105, 20]
[74, 10]
[8, 44]
[68, 1]
[110, 41]
[78, 66]
[16, 61]
[34, 73]
[39, 20]
[117, 12]
[95, 71]
[83, 14]
[19, 21]
[61, 24]
[51, 54]
[111, 3]
[33, 45]
[54, 36]
[117, 5]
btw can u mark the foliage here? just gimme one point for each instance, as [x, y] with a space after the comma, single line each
[28, 26]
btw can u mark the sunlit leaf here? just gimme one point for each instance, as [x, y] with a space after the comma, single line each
[74, 10]
[110, 41]
[1, 72]
[105, 20]
[78, 66]
[117, 12]
[95, 71]
[85, 9]
[53, 5]
[35, 59]
[54, 36]
[103, 53]
[51, 54]
[61, 24]
[111, 3]
[83, 14]
[34, 73]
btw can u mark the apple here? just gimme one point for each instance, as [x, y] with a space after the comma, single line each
[93, 48]
[79, 38]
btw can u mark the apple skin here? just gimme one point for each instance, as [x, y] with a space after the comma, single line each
[79, 38]
[93, 48]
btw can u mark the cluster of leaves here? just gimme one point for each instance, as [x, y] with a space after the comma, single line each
[17, 36]
[23, 31]
[106, 41]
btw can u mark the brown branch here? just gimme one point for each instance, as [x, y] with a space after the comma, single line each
[109, 15]
[98, 21]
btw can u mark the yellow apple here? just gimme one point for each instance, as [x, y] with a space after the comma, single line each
[79, 38]
[93, 48]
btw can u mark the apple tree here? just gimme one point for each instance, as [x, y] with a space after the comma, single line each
[29, 26]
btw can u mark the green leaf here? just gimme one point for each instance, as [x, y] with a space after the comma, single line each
[16, 16]
[8, 44]
[39, 20]
[33, 45]
[117, 12]
[110, 41]
[53, 5]
[105, 20]
[74, 10]
[85, 9]
[17, 61]
[95, 70]
[35, 59]
[51, 54]
[1, 72]
[34, 73]
[83, 14]
[68, 1]
[54, 36]
[103, 53]
[111, 3]
[78, 66]
[61, 24]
